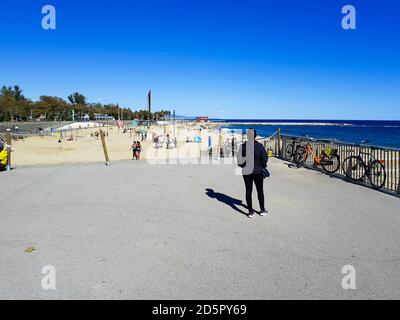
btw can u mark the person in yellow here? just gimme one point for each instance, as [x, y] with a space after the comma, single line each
[3, 159]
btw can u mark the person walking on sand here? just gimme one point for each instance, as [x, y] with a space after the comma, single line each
[138, 150]
[168, 141]
[134, 150]
[253, 159]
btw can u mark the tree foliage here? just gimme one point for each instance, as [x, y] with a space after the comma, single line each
[15, 106]
[77, 98]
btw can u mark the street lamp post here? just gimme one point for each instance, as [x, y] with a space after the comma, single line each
[107, 126]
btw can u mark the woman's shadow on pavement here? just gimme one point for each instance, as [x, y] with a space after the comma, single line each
[232, 202]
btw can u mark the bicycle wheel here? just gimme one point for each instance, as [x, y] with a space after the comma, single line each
[377, 174]
[330, 164]
[289, 152]
[353, 168]
[300, 156]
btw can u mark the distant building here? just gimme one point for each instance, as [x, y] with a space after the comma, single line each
[85, 117]
[202, 119]
[103, 117]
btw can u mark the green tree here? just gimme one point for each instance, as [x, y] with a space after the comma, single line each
[77, 98]
[13, 105]
[55, 108]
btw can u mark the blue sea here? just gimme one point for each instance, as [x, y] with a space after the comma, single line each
[377, 133]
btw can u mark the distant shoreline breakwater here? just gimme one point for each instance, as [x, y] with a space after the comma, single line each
[378, 133]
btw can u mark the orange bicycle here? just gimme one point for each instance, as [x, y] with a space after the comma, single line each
[329, 159]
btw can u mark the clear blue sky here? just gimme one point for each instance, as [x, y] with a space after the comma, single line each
[226, 59]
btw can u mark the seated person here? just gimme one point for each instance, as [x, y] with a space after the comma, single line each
[3, 159]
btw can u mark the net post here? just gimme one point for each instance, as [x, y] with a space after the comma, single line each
[103, 142]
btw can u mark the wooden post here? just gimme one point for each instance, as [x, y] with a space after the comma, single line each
[279, 142]
[8, 140]
[219, 143]
[103, 142]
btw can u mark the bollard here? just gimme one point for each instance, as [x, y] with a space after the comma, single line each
[8, 140]
[103, 142]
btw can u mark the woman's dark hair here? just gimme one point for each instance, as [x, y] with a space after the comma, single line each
[249, 131]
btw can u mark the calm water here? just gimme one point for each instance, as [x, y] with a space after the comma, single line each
[378, 133]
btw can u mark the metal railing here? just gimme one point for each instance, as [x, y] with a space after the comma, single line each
[225, 151]
[389, 156]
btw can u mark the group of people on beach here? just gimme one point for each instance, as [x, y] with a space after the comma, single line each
[136, 150]
[166, 140]
[139, 133]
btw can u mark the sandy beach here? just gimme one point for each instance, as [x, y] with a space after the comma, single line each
[86, 147]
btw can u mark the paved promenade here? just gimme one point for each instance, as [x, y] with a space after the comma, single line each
[140, 231]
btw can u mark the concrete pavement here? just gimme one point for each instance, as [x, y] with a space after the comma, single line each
[140, 231]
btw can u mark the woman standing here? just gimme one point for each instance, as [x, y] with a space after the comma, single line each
[134, 150]
[138, 150]
[253, 159]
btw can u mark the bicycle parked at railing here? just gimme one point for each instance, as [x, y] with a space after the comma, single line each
[357, 168]
[329, 159]
[291, 149]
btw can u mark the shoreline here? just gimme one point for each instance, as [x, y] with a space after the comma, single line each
[231, 123]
